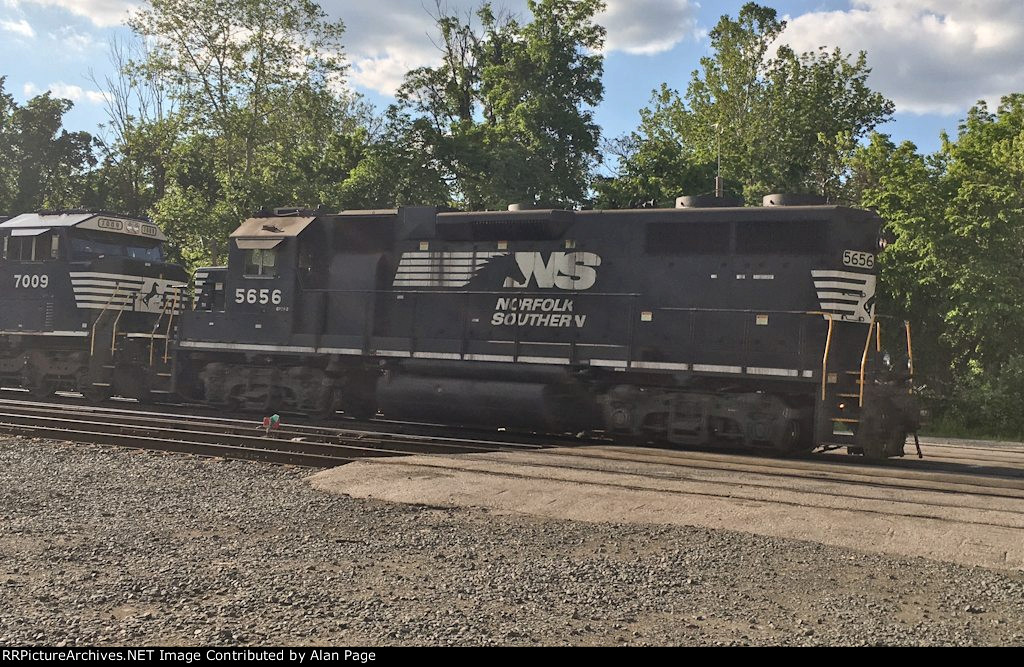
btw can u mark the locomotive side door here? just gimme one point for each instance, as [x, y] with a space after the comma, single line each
[261, 288]
[29, 279]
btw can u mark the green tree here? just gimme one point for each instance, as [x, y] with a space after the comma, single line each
[981, 254]
[907, 190]
[396, 169]
[8, 175]
[782, 122]
[135, 143]
[508, 114]
[44, 165]
[260, 114]
[953, 267]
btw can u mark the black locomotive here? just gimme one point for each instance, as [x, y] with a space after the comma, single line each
[709, 326]
[89, 305]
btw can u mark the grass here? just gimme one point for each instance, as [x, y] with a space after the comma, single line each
[945, 427]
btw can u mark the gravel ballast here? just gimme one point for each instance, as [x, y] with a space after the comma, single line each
[102, 546]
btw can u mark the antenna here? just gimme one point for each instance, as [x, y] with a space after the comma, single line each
[718, 174]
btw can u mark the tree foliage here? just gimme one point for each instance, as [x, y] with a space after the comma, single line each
[260, 115]
[781, 122]
[953, 268]
[507, 116]
[44, 165]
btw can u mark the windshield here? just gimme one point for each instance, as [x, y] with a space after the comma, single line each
[90, 245]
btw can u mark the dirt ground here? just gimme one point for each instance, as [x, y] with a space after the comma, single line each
[100, 546]
[939, 508]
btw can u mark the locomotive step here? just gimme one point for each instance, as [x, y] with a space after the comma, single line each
[101, 384]
[845, 420]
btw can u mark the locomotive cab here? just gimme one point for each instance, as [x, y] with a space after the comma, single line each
[255, 294]
[90, 304]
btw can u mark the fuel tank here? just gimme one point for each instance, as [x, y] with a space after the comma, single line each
[554, 407]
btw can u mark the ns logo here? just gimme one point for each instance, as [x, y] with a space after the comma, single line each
[565, 270]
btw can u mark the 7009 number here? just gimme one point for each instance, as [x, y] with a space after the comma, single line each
[31, 281]
[261, 296]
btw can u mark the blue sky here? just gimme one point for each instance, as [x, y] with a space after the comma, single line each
[934, 58]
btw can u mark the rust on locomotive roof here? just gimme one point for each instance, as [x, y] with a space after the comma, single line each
[277, 227]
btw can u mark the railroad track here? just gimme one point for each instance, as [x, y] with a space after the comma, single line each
[301, 444]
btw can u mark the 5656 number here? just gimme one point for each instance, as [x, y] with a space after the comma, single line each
[862, 260]
[261, 296]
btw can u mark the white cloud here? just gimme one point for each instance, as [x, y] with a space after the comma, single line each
[67, 91]
[929, 56]
[648, 26]
[103, 13]
[75, 41]
[386, 38]
[17, 27]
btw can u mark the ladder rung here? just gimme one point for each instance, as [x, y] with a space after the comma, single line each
[844, 420]
[850, 395]
[101, 384]
[165, 375]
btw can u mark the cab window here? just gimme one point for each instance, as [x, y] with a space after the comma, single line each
[260, 263]
[86, 245]
[38, 248]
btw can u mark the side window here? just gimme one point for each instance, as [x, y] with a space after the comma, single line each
[38, 248]
[19, 248]
[43, 248]
[261, 263]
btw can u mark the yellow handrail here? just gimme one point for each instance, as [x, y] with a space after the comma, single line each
[96, 322]
[170, 321]
[878, 337]
[156, 327]
[910, 355]
[113, 333]
[824, 359]
[864, 359]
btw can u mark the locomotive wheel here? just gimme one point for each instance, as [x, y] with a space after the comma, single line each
[96, 394]
[327, 407]
[44, 390]
[38, 386]
[791, 439]
[359, 408]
